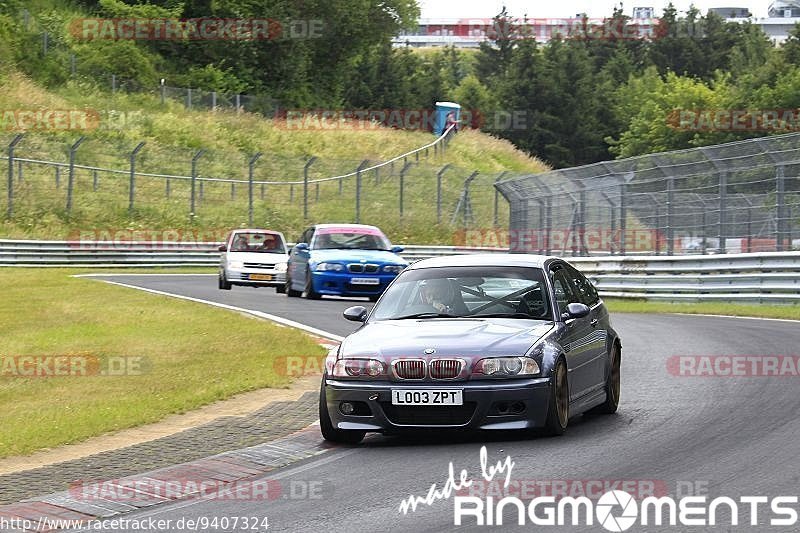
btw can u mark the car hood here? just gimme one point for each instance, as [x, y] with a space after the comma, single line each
[356, 256]
[466, 338]
[257, 257]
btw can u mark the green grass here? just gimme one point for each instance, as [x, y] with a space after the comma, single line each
[174, 134]
[710, 308]
[192, 355]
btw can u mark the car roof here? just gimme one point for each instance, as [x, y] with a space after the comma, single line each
[514, 260]
[256, 230]
[347, 226]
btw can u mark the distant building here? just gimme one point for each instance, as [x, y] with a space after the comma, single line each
[784, 9]
[644, 13]
[731, 12]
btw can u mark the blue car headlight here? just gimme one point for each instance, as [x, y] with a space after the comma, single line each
[329, 267]
[394, 269]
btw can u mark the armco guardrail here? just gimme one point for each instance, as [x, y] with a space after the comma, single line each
[760, 277]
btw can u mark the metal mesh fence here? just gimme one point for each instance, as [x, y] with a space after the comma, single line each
[108, 186]
[736, 197]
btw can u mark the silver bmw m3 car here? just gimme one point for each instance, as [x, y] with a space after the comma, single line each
[474, 342]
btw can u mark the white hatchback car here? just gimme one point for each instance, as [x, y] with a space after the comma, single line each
[254, 257]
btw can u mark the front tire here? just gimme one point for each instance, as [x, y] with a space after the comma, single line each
[224, 284]
[613, 385]
[290, 292]
[558, 410]
[311, 294]
[330, 433]
[280, 289]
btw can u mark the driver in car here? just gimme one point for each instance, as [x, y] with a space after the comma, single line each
[438, 293]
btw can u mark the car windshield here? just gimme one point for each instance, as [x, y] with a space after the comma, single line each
[502, 292]
[351, 240]
[268, 243]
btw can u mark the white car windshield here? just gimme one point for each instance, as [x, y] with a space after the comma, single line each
[268, 243]
[500, 292]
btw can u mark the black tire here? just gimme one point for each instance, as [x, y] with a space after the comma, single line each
[310, 293]
[290, 292]
[330, 433]
[280, 289]
[224, 284]
[558, 410]
[613, 385]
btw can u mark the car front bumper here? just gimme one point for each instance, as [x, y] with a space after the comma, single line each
[243, 277]
[481, 410]
[341, 283]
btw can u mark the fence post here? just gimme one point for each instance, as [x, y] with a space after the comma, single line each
[94, 181]
[132, 186]
[163, 92]
[305, 186]
[19, 171]
[723, 207]
[167, 188]
[58, 177]
[548, 224]
[623, 215]
[194, 182]
[291, 193]
[403, 185]
[189, 98]
[250, 168]
[113, 84]
[45, 41]
[71, 179]
[495, 219]
[670, 215]
[361, 167]
[238, 104]
[316, 192]
[439, 193]
[233, 191]
[705, 232]
[213, 100]
[780, 205]
[14, 142]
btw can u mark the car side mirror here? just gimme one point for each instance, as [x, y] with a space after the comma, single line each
[223, 248]
[397, 249]
[357, 313]
[576, 310]
[301, 246]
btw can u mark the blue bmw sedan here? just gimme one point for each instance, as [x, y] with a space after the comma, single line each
[342, 260]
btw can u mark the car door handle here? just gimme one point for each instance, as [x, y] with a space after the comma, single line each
[593, 322]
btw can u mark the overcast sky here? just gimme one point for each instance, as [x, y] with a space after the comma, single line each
[568, 8]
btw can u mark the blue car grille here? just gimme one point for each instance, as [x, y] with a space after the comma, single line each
[358, 268]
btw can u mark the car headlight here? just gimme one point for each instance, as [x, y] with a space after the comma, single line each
[329, 267]
[354, 368]
[394, 269]
[507, 366]
[236, 264]
[280, 267]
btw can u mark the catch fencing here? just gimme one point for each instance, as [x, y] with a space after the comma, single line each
[730, 198]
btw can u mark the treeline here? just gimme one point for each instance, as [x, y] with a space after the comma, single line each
[575, 100]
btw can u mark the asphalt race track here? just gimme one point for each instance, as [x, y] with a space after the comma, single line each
[722, 436]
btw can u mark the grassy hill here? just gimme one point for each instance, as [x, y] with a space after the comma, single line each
[173, 134]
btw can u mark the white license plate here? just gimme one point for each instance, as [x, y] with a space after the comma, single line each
[427, 397]
[365, 281]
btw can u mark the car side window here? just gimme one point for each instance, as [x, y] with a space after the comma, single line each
[562, 288]
[586, 291]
